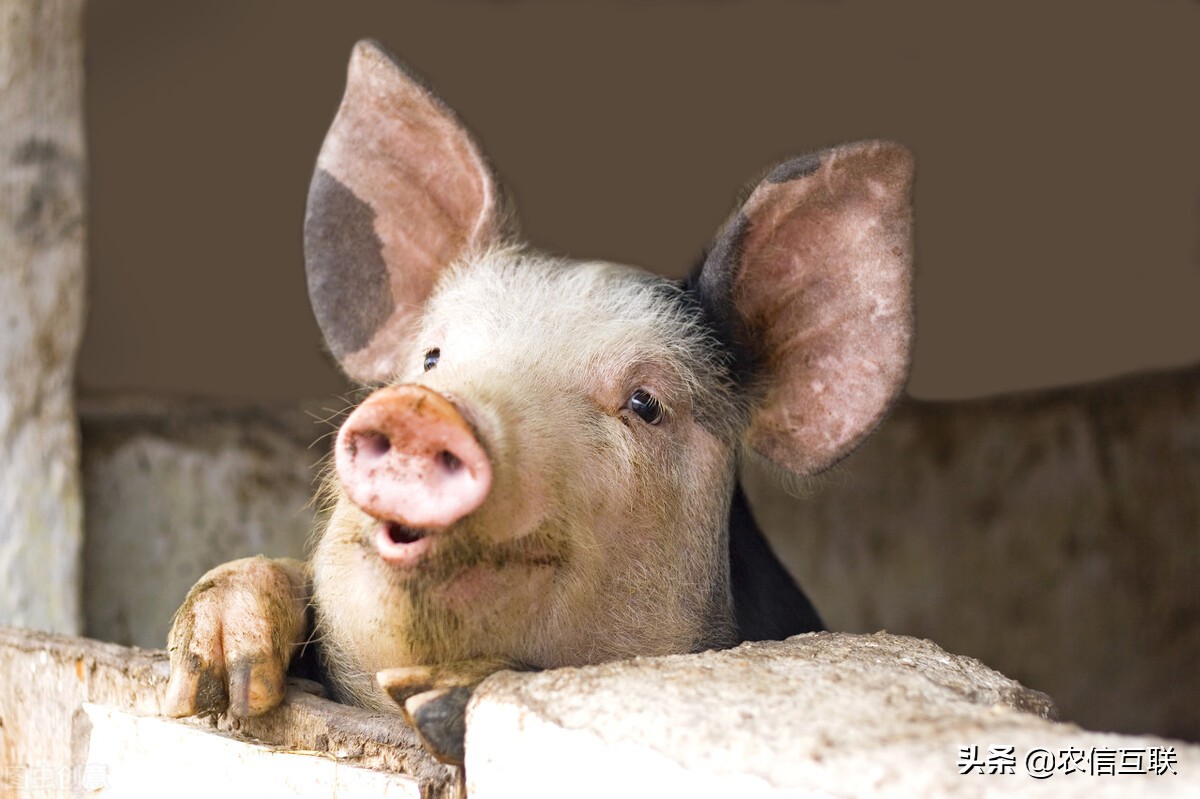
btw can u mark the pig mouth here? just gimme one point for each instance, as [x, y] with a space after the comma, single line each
[401, 545]
[431, 554]
[403, 534]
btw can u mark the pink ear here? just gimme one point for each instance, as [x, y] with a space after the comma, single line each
[400, 192]
[817, 267]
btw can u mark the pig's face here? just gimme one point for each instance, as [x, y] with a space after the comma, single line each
[545, 476]
[610, 422]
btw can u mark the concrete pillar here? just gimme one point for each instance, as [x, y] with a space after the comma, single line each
[42, 249]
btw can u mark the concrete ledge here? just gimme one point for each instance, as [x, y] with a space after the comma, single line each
[818, 715]
[138, 756]
[826, 714]
[78, 715]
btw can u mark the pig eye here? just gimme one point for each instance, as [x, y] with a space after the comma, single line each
[643, 403]
[431, 358]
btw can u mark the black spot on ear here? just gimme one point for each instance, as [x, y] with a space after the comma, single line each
[795, 169]
[711, 287]
[347, 277]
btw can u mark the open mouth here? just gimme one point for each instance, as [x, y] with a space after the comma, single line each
[403, 534]
[401, 545]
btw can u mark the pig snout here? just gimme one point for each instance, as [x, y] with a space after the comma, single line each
[407, 456]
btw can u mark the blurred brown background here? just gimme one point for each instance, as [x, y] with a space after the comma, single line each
[1058, 199]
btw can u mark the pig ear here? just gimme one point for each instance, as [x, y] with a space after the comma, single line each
[811, 283]
[400, 192]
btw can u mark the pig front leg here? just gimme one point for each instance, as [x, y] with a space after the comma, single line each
[233, 637]
[434, 700]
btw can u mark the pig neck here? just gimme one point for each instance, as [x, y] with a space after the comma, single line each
[767, 603]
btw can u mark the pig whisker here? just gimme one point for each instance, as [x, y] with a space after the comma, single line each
[315, 634]
[314, 637]
[332, 416]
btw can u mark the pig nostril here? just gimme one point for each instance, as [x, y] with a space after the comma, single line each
[372, 444]
[449, 461]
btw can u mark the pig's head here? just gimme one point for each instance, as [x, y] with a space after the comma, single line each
[544, 474]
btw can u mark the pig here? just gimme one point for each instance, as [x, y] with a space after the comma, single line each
[546, 472]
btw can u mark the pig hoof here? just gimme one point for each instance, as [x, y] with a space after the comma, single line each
[231, 641]
[439, 717]
[195, 689]
[405, 681]
[434, 700]
[255, 687]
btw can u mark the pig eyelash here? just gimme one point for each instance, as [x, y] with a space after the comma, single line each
[432, 357]
[646, 406]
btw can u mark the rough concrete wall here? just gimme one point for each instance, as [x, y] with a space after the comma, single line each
[174, 489]
[41, 310]
[1055, 536]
